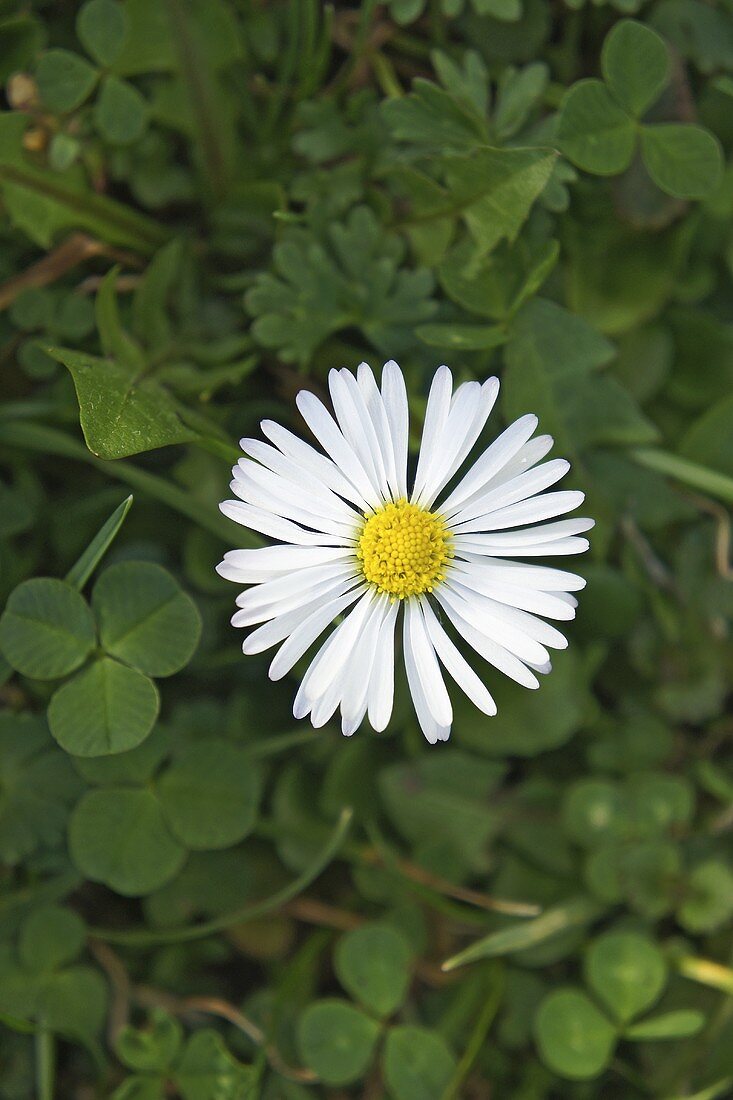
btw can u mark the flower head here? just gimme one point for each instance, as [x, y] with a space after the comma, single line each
[355, 541]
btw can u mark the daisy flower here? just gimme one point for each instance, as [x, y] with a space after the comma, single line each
[360, 541]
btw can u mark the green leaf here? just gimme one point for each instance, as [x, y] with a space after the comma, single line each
[495, 189]
[120, 112]
[434, 120]
[627, 972]
[708, 904]
[145, 618]
[684, 160]
[417, 1064]
[551, 360]
[593, 131]
[102, 29]
[373, 965]
[636, 65]
[520, 90]
[38, 787]
[43, 203]
[64, 80]
[50, 937]
[83, 568]
[574, 1038]
[336, 1041]
[709, 440]
[519, 936]
[118, 836]
[680, 1024]
[153, 1048]
[106, 708]
[210, 794]
[121, 412]
[73, 1002]
[462, 337]
[46, 630]
[593, 811]
[207, 1069]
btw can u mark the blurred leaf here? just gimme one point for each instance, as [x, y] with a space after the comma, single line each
[152, 1048]
[593, 131]
[207, 1068]
[120, 112]
[373, 965]
[102, 29]
[417, 1063]
[118, 836]
[65, 80]
[709, 901]
[337, 1041]
[574, 1038]
[669, 1025]
[685, 161]
[50, 937]
[627, 973]
[210, 794]
[636, 65]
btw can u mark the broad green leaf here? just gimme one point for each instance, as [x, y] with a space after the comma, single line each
[636, 65]
[679, 1024]
[684, 160]
[337, 1041]
[102, 29]
[627, 972]
[64, 79]
[153, 1048]
[43, 203]
[135, 767]
[83, 568]
[551, 359]
[46, 630]
[121, 413]
[462, 337]
[210, 794]
[709, 439]
[417, 1063]
[495, 189]
[708, 901]
[207, 1069]
[106, 708]
[38, 788]
[145, 618]
[593, 811]
[50, 937]
[373, 965]
[73, 1002]
[593, 131]
[433, 119]
[574, 1038]
[118, 836]
[519, 92]
[120, 112]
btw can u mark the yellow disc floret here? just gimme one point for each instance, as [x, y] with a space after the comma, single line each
[403, 549]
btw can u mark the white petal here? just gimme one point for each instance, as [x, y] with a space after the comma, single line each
[348, 632]
[308, 458]
[298, 475]
[306, 633]
[485, 610]
[257, 485]
[297, 603]
[531, 536]
[375, 406]
[470, 545]
[422, 664]
[456, 664]
[256, 519]
[355, 685]
[543, 577]
[328, 434]
[301, 582]
[470, 409]
[486, 647]
[381, 682]
[534, 509]
[515, 595]
[436, 414]
[514, 640]
[494, 458]
[472, 516]
[394, 395]
[268, 562]
[356, 425]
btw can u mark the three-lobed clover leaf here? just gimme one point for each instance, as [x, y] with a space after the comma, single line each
[601, 124]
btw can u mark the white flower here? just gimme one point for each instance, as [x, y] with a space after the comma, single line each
[354, 540]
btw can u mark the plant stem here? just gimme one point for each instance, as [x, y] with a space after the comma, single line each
[45, 1064]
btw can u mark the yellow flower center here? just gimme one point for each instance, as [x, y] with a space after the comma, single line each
[403, 550]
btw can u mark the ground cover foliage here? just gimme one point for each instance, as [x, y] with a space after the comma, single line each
[206, 204]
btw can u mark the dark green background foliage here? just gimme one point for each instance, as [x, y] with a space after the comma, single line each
[205, 205]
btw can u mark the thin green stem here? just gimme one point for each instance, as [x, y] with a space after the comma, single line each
[478, 1035]
[689, 473]
[45, 1064]
[145, 937]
